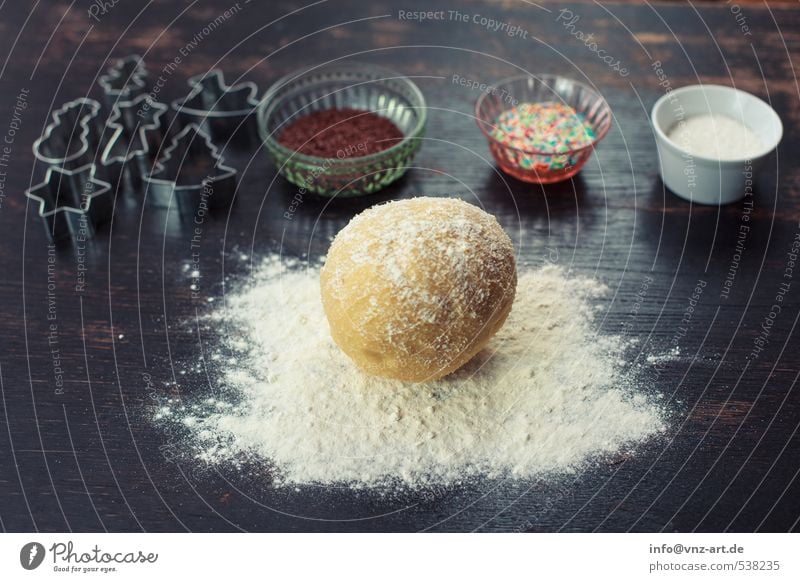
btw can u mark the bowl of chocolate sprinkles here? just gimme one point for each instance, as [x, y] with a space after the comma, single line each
[342, 130]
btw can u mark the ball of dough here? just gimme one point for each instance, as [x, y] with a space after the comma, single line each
[413, 289]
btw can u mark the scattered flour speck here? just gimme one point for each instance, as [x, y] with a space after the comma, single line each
[669, 356]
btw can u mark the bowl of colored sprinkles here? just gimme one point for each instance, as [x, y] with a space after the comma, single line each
[542, 128]
[342, 130]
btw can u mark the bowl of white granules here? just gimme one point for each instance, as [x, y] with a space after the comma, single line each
[711, 140]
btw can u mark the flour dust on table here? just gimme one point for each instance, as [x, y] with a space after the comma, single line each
[547, 396]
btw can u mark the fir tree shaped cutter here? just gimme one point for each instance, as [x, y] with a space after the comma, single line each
[191, 173]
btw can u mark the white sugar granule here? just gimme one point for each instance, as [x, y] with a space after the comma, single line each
[547, 396]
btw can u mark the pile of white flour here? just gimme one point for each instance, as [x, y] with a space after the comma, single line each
[548, 395]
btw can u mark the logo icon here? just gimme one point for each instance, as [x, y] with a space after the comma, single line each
[31, 555]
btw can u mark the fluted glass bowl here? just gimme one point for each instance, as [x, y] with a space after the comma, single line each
[542, 166]
[344, 85]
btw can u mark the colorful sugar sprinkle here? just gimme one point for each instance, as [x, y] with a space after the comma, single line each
[554, 128]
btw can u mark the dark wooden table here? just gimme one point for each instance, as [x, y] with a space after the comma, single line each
[81, 370]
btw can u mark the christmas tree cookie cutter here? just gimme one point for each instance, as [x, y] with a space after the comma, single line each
[226, 112]
[164, 184]
[124, 80]
[136, 134]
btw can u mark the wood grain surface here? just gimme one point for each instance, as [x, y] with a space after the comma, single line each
[83, 369]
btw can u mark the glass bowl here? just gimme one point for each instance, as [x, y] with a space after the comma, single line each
[541, 166]
[343, 85]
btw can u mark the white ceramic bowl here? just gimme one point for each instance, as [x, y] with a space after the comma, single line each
[707, 180]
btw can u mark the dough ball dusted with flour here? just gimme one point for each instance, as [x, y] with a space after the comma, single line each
[414, 289]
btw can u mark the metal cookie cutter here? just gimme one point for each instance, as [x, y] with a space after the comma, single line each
[136, 135]
[124, 80]
[167, 179]
[71, 140]
[224, 111]
[71, 202]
